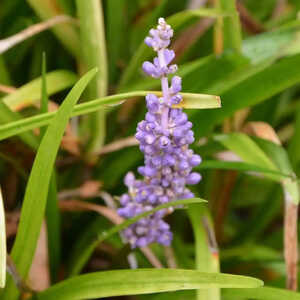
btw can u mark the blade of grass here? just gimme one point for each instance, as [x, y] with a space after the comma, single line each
[7, 117]
[53, 229]
[253, 90]
[115, 34]
[231, 26]
[94, 54]
[263, 293]
[142, 281]
[52, 210]
[4, 74]
[291, 202]
[15, 128]
[246, 149]
[37, 188]
[206, 249]
[31, 92]
[2, 244]
[80, 261]
[242, 167]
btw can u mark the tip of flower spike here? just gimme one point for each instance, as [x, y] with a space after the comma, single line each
[161, 21]
[160, 37]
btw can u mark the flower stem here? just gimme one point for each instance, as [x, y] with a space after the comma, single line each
[165, 91]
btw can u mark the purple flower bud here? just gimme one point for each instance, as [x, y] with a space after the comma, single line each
[156, 161]
[169, 55]
[169, 160]
[176, 85]
[141, 242]
[195, 160]
[176, 99]
[183, 165]
[164, 141]
[150, 117]
[163, 199]
[149, 171]
[193, 178]
[152, 103]
[129, 179]
[172, 69]
[124, 199]
[180, 119]
[148, 41]
[149, 68]
[149, 139]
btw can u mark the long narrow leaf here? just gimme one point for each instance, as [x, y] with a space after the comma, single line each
[52, 211]
[94, 55]
[143, 281]
[199, 101]
[242, 167]
[35, 198]
[31, 92]
[206, 253]
[263, 293]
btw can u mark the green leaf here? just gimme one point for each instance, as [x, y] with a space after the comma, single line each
[31, 92]
[36, 193]
[14, 128]
[94, 55]
[263, 293]
[8, 116]
[44, 95]
[142, 281]
[52, 210]
[231, 26]
[240, 166]
[2, 244]
[199, 101]
[276, 43]
[53, 228]
[246, 149]
[116, 33]
[253, 90]
[280, 157]
[264, 154]
[207, 256]
[80, 261]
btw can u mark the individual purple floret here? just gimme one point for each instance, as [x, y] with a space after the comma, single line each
[164, 138]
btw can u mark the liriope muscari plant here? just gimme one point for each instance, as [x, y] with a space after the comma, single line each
[164, 138]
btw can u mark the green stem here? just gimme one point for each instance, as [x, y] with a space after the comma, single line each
[94, 55]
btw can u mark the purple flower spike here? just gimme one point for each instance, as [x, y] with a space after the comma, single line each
[164, 137]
